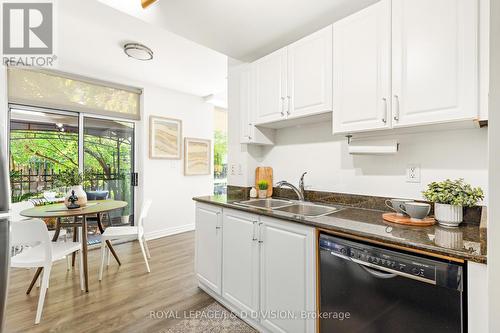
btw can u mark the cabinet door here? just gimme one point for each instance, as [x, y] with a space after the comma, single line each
[310, 75]
[270, 87]
[287, 270]
[246, 126]
[208, 248]
[361, 70]
[434, 59]
[240, 271]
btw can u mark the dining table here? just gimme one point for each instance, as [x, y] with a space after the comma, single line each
[61, 213]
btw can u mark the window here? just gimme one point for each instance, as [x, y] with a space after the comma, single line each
[220, 151]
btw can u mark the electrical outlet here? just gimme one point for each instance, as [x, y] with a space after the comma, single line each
[240, 169]
[413, 173]
[233, 169]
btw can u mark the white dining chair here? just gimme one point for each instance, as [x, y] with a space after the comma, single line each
[125, 233]
[15, 215]
[33, 248]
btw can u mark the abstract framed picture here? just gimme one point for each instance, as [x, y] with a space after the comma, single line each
[165, 138]
[197, 156]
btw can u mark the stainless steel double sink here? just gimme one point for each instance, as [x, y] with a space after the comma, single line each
[306, 209]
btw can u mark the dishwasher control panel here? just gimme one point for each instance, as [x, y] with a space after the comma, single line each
[383, 259]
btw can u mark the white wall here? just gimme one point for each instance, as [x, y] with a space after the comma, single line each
[441, 155]
[163, 180]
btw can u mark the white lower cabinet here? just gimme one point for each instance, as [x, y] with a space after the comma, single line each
[208, 246]
[240, 256]
[287, 276]
[268, 269]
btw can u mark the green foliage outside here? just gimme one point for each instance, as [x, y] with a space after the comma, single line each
[220, 152]
[107, 161]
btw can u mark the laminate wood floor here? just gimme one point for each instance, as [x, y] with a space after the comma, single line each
[122, 302]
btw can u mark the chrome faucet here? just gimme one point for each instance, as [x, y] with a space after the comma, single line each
[299, 191]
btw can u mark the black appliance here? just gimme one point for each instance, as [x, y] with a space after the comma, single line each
[370, 289]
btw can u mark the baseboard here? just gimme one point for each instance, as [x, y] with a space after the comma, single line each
[169, 231]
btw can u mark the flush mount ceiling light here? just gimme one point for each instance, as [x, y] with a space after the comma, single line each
[138, 51]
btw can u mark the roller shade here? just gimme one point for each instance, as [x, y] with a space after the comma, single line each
[56, 90]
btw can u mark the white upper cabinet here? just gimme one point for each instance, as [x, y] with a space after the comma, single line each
[270, 87]
[434, 61]
[248, 132]
[361, 70]
[295, 81]
[309, 86]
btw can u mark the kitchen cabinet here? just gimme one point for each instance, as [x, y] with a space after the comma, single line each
[287, 274]
[361, 70]
[240, 271]
[309, 75]
[266, 267]
[430, 76]
[295, 81]
[208, 248]
[270, 87]
[249, 134]
[434, 59]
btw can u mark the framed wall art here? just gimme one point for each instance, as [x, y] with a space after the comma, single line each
[197, 156]
[165, 138]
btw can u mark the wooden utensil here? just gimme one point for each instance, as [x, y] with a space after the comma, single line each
[264, 173]
[406, 220]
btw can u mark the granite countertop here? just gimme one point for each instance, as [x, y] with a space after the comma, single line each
[467, 242]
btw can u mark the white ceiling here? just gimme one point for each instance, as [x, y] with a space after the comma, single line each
[89, 41]
[242, 29]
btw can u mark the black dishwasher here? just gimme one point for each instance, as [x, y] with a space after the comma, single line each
[369, 289]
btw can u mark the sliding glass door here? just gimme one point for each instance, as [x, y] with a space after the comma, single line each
[108, 160]
[45, 143]
[42, 144]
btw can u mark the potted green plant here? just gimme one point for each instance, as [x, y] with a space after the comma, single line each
[263, 185]
[449, 198]
[72, 179]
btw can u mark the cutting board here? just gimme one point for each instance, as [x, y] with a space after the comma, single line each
[264, 173]
[394, 218]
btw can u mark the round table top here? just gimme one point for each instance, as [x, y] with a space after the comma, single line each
[60, 210]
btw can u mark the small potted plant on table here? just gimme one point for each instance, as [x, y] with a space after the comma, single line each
[263, 185]
[449, 197]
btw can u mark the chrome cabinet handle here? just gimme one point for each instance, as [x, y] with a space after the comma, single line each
[288, 105]
[254, 236]
[384, 118]
[260, 233]
[396, 115]
[282, 106]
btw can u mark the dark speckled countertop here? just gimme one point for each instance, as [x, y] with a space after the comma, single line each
[467, 242]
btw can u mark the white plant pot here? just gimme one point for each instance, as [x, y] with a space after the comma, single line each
[448, 215]
[125, 219]
[80, 193]
[262, 194]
